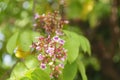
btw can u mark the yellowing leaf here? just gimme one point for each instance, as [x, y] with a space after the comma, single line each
[19, 53]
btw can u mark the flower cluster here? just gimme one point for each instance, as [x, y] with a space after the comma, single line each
[50, 22]
[50, 51]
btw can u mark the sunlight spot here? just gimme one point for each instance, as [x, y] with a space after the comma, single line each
[2, 37]
[7, 60]
[26, 5]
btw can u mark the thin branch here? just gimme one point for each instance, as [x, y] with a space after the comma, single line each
[115, 32]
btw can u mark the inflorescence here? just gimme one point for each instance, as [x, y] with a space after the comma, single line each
[50, 51]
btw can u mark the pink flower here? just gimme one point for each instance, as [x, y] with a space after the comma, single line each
[56, 38]
[66, 22]
[54, 58]
[36, 16]
[62, 59]
[43, 66]
[34, 25]
[38, 48]
[50, 51]
[61, 41]
[51, 75]
[59, 33]
[40, 57]
[61, 65]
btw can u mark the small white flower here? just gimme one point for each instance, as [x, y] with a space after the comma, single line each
[50, 63]
[38, 48]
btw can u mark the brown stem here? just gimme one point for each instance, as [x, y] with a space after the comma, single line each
[114, 28]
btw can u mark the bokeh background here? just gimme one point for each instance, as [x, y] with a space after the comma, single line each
[98, 20]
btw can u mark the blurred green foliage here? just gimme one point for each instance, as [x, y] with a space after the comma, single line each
[16, 30]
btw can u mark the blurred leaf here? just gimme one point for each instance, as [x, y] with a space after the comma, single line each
[93, 20]
[72, 45]
[25, 40]
[81, 68]
[85, 45]
[31, 62]
[24, 69]
[25, 78]
[11, 45]
[33, 35]
[69, 71]
[28, 73]
[39, 74]
[19, 71]
[74, 9]
[87, 8]
[103, 7]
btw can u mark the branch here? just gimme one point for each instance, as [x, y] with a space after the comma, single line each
[114, 28]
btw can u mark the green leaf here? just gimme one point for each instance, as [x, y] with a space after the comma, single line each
[39, 74]
[81, 68]
[93, 20]
[11, 45]
[25, 78]
[31, 62]
[85, 45]
[34, 34]
[19, 71]
[24, 69]
[28, 73]
[74, 9]
[25, 40]
[72, 45]
[69, 71]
